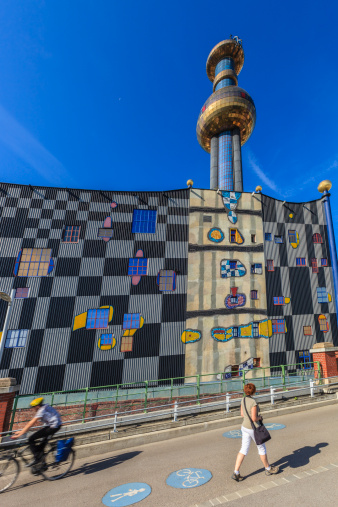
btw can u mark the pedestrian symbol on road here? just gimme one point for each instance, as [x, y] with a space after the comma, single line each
[127, 494]
[238, 433]
[189, 478]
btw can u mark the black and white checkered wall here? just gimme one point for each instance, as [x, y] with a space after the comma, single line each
[90, 274]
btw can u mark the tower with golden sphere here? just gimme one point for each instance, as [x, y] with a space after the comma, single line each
[227, 119]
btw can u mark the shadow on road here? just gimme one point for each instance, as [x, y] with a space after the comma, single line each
[299, 458]
[103, 464]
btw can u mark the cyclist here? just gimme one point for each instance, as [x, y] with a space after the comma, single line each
[52, 423]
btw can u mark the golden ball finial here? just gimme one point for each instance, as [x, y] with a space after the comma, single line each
[258, 188]
[324, 185]
[190, 183]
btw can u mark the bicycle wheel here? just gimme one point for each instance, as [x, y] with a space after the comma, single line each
[51, 470]
[9, 471]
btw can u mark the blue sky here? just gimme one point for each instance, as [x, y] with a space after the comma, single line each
[106, 94]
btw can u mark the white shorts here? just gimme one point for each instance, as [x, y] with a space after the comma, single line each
[247, 436]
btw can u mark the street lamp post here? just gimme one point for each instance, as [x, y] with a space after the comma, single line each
[9, 300]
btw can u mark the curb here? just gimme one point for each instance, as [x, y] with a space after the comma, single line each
[112, 444]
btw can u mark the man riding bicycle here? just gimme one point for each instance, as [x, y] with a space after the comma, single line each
[52, 423]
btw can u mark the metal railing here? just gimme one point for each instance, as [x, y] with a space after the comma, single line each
[91, 403]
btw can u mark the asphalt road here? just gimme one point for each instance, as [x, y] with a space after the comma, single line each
[308, 443]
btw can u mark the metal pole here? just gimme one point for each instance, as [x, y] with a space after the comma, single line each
[175, 411]
[6, 324]
[85, 406]
[198, 389]
[283, 376]
[272, 395]
[115, 423]
[312, 389]
[227, 400]
[332, 244]
[146, 396]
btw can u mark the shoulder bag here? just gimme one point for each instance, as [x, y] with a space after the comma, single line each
[261, 434]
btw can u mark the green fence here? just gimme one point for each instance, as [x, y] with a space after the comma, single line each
[89, 403]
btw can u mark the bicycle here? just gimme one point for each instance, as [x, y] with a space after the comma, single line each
[47, 466]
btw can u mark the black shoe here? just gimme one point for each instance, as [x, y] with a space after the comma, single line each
[35, 461]
[236, 477]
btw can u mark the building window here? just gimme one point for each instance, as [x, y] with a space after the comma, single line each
[207, 218]
[254, 294]
[292, 237]
[268, 236]
[34, 262]
[278, 326]
[106, 339]
[233, 235]
[278, 300]
[255, 329]
[256, 269]
[323, 324]
[235, 370]
[16, 338]
[256, 362]
[304, 359]
[97, 319]
[324, 262]
[138, 266]
[71, 234]
[278, 239]
[234, 300]
[253, 238]
[22, 293]
[269, 265]
[126, 343]
[314, 265]
[105, 232]
[307, 330]
[322, 295]
[131, 321]
[144, 221]
[233, 264]
[235, 332]
[166, 280]
[300, 261]
[317, 238]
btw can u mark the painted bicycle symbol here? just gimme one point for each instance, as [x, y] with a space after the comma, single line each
[192, 477]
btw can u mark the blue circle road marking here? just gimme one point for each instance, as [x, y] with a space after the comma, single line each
[127, 494]
[189, 478]
[238, 433]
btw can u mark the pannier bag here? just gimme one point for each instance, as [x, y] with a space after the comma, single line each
[63, 448]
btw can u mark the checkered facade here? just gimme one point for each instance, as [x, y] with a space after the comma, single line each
[87, 275]
[297, 279]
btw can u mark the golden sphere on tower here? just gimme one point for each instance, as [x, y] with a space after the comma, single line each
[190, 183]
[258, 188]
[324, 185]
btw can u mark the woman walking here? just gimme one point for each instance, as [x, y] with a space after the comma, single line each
[252, 409]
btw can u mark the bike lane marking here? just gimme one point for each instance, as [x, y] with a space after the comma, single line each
[188, 478]
[127, 494]
[238, 433]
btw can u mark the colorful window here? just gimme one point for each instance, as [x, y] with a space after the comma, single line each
[278, 239]
[105, 232]
[268, 236]
[22, 293]
[278, 326]
[126, 343]
[166, 280]
[323, 324]
[234, 299]
[317, 238]
[257, 362]
[293, 237]
[324, 262]
[226, 63]
[34, 262]
[256, 269]
[314, 265]
[269, 265]
[322, 295]
[307, 330]
[71, 234]
[97, 319]
[106, 339]
[304, 359]
[137, 266]
[254, 294]
[300, 261]
[235, 332]
[233, 264]
[233, 235]
[144, 220]
[278, 300]
[16, 338]
[131, 321]
[255, 329]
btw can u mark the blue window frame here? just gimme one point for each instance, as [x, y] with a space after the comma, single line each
[304, 358]
[235, 332]
[322, 295]
[166, 280]
[278, 300]
[324, 262]
[233, 264]
[71, 234]
[16, 338]
[97, 319]
[256, 269]
[137, 266]
[144, 220]
[278, 239]
[234, 299]
[292, 237]
[131, 320]
[278, 326]
[300, 261]
[34, 262]
[255, 329]
[268, 236]
[106, 339]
